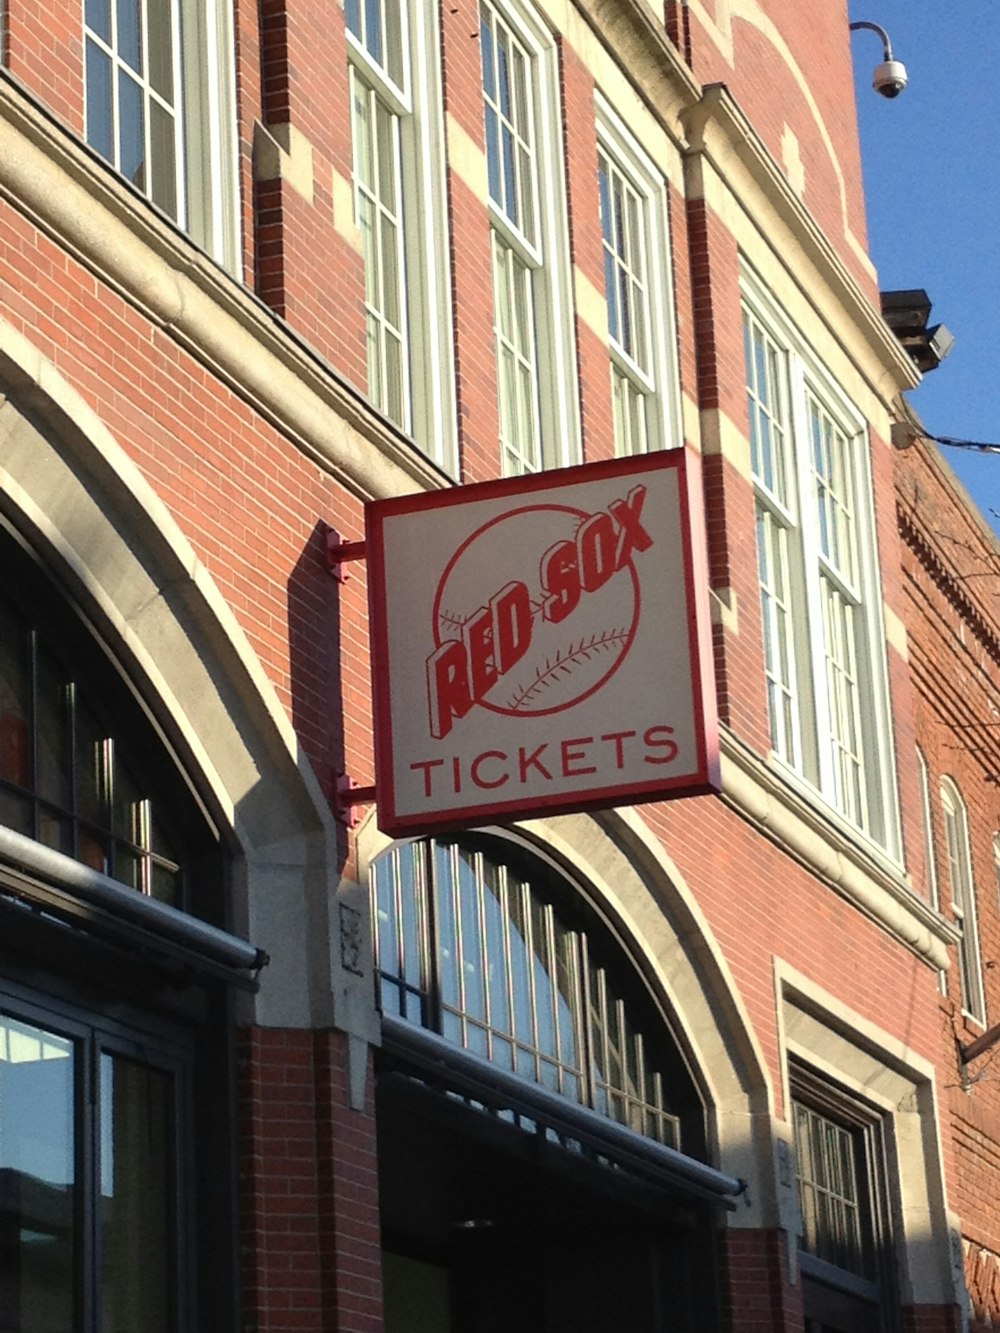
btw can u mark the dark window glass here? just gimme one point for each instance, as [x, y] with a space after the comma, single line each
[136, 1197]
[87, 1131]
[68, 776]
[100, 134]
[844, 1242]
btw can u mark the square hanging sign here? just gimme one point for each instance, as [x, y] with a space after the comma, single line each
[541, 645]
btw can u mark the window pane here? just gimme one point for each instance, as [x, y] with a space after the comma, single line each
[38, 1178]
[131, 132]
[163, 159]
[15, 714]
[97, 15]
[373, 30]
[16, 813]
[91, 787]
[53, 779]
[130, 33]
[100, 133]
[161, 48]
[136, 1197]
[165, 885]
[127, 814]
[394, 41]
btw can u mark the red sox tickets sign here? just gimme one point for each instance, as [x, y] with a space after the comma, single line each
[541, 645]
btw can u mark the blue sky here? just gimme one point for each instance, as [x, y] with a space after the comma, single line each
[932, 179]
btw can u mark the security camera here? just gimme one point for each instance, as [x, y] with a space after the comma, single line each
[889, 78]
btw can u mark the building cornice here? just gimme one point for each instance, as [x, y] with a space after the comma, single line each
[634, 35]
[718, 130]
[53, 179]
[949, 581]
[764, 798]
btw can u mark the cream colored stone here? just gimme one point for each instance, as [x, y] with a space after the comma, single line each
[591, 305]
[282, 152]
[466, 159]
[344, 219]
[895, 632]
[725, 609]
[792, 159]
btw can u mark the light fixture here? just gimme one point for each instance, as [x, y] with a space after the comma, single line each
[890, 77]
[907, 313]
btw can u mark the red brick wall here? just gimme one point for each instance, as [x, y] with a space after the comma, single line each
[309, 1187]
[949, 566]
[756, 1295]
[44, 49]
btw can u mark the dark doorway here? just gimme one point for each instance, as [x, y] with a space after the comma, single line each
[490, 1225]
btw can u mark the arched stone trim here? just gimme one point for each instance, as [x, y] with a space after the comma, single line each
[83, 506]
[634, 882]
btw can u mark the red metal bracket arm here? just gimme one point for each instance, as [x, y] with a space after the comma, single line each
[339, 551]
[348, 796]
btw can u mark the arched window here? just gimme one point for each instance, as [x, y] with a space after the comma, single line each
[490, 946]
[963, 899]
[81, 770]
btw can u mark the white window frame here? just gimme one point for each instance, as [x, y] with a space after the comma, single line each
[544, 352]
[930, 843]
[963, 900]
[930, 847]
[414, 101]
[657, 381]
[207, 181]
[799, 584]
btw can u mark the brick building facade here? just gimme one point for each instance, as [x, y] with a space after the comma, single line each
[689, 1064]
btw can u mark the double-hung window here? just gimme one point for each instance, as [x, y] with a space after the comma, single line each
[963, 900]
[633, 226]
[826, 681]
[160, 107]
[398, 193]
[844, 1250]
[536, 404]
[379, 103]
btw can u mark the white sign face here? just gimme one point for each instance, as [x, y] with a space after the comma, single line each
[541, 644]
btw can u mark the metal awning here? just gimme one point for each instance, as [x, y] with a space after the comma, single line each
[41, 877]
[458, 1071]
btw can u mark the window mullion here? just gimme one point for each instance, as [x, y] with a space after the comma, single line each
[813, 670]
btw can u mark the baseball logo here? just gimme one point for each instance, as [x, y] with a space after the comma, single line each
[536, 610]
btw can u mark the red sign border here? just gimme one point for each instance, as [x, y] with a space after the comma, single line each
[705, 777]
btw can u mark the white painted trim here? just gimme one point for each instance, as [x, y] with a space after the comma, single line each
[807, 374]
[647, 180]
[549, 259]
